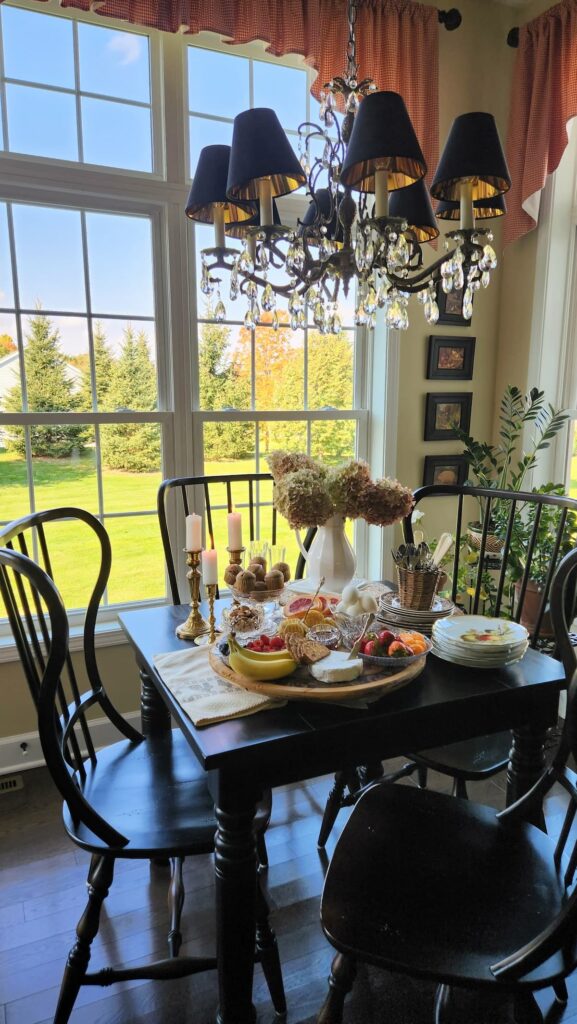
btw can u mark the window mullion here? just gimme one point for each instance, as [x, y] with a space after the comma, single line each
[3, 105]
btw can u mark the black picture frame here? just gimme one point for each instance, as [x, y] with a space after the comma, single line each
[434, 416]
[435, 465]
[462, 368]
[451, 307]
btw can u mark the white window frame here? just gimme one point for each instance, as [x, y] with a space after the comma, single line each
[161, 195]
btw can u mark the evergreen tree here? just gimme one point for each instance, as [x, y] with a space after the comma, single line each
[49, 389]
[133, 447]
[103, 365]
[220, 387]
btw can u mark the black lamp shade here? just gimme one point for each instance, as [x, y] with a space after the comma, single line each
[334, 227]
[260, 149]
[413, 204]
[237, 229]
[209, 187]
[472, 153]
[484, 209]
[382, 138]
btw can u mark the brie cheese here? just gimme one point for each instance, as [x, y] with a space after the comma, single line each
[337, 667]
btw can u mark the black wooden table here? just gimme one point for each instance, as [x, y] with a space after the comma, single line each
[444, 704]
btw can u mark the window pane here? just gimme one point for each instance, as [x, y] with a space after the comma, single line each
[49, 258]
[137, 559]
[217, 82]
[131, 466]
[120, 264]
[229, 448]
[333, 441]
[224, 374]
[116, 134]
[330, 370]
[13, 477]
[37, 47]
[572, 481]
[64, 469]
[279, 366]
[72, 350]
[283, 89]
[10, 392]
[42, 123]
[6, 284]
[290, 435]
[72, 545]
[206, 133]
[114, 63]
[127, 359]
[118, 345]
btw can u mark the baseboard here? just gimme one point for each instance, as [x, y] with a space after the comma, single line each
[18, 753]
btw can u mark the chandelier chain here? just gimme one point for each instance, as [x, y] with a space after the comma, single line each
[352, 66]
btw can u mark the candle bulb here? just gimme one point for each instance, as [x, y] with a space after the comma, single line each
[209, 567]
[234, 531]
[193, 532]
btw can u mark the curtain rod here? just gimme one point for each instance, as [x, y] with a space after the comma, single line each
[451, 19]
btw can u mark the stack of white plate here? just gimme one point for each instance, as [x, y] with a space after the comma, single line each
[393, 615]
[479, 642]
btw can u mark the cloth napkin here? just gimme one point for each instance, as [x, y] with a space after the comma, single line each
[204, 696]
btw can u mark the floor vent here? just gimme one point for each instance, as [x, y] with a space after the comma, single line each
[11, 782]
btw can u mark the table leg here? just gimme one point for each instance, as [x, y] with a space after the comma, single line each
[526, 763]
[235, 871]
[155, 716]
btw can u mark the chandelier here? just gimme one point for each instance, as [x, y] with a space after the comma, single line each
[369, 214]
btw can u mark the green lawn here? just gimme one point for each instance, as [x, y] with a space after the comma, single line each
[137, 562]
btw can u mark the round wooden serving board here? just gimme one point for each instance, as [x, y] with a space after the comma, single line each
[302, 686]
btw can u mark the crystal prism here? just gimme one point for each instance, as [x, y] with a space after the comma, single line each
[268, 298]
[468, 303]
[219, 312]
[245, 262]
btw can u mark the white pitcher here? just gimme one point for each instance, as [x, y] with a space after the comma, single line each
[330, 555]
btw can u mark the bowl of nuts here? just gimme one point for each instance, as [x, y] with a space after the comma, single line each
[243, 617]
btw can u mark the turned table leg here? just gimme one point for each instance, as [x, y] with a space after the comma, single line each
[236, 879]
[154, 714]
[526, 763]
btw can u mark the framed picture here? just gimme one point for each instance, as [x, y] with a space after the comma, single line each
[450, 358]
[445, 413]
[445, 469]
[451, 307]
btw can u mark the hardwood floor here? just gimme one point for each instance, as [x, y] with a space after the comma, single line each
[42, 894]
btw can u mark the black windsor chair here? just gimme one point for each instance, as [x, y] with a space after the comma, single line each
[479, 758]
[451, 891]
[142, 797]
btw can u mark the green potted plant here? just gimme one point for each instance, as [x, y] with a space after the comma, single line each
[505, 465]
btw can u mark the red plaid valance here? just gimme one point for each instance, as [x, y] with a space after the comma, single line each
[397, 40]
[543, 101]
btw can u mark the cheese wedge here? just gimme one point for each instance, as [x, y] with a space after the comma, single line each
[337, 667]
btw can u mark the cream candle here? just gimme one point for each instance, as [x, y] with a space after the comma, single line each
[209, 567]
[193, 532]
[234, 531]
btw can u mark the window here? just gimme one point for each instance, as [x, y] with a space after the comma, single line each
[75, 91]
[98, 287]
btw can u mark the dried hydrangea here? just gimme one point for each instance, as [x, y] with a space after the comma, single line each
[346, 484]
[303, 499]
[385, 502]
[281, 463]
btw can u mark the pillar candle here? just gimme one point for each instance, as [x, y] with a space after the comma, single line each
[193, 532]
[209, 567]
[234, 531]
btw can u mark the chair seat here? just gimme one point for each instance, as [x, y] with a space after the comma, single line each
[155, 793]
[472, 760]
[425, 884]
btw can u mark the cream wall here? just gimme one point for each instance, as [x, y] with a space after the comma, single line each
[475, 73]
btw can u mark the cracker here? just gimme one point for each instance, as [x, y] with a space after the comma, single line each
[307, 652]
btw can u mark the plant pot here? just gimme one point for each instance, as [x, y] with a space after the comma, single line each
[493, 544]
[530, 611]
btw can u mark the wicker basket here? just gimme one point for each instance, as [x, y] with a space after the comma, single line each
[417, 588]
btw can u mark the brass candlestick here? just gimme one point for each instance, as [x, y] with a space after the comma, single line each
[195, 625]
[211, 593]
[235, 555]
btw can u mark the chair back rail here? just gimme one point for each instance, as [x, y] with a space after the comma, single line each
[187, 497]
[509, 505]
[63, 725]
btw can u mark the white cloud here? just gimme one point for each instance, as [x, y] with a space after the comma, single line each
[127, 47]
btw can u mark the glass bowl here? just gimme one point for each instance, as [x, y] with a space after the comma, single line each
[351, 628]
[243, 616]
